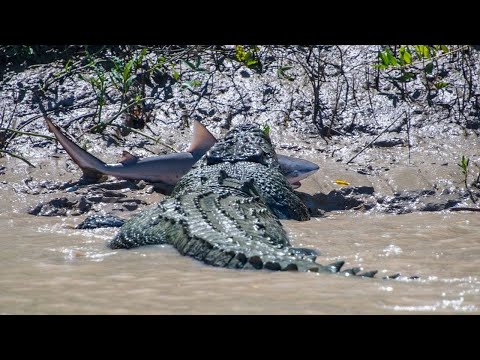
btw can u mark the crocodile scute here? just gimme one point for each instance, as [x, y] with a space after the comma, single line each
[225, 211]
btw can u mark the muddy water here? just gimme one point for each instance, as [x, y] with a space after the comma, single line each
[46, 267]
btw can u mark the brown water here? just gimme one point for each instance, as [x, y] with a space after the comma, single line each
[46, 267]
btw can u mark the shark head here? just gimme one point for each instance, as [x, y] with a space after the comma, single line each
[296, 169]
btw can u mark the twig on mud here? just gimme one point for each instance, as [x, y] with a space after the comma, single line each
[83, 116]
[371, 142]
[464, 209]
[28, 133]
[408, 138]
[477, 182]
[17, 156]
[47, 112]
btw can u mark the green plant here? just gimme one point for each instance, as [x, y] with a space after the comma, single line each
[282, 73]
[196, 66]
[248, 55]
[122, 76]
[464, 162]
[404, 56]
[99, 85]
[266, 129]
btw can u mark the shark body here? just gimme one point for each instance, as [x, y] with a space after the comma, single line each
[166, 169]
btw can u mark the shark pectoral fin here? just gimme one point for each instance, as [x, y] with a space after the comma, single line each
[128, 158]
[202, 139]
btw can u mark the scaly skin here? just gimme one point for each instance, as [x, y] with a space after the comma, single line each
[226, 210]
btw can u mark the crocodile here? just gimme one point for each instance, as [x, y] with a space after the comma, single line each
[226, 211]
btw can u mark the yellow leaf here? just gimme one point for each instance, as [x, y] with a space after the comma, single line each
[342, 182]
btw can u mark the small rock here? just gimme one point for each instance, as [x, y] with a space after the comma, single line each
[130, 206]
[363, 172]
[116, 185]
[100, 221]
[60, 207]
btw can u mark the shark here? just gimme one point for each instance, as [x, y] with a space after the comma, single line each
[166, 169]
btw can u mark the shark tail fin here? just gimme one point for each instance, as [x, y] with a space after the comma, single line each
[92, 167]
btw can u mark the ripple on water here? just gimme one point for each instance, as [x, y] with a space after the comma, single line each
[50, 267]
[454, 304]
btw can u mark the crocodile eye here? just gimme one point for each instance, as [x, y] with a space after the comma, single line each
[258, 155]
[213, 157]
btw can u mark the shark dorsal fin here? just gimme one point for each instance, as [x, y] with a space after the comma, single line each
[202, 140]
[128, 158]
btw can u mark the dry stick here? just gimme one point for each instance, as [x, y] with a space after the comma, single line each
[468, 189]
[28, 133]
[408, 138]
[478, 177]
[371, 142]
[17, 156]
[464, 209]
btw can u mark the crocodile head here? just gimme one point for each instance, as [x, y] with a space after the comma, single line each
[243, 143]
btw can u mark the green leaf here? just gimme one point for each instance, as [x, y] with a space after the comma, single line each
[191, 84]
[266, 130]
[176, 75]
[140, 57]
[240, 53]
[380, 66]
[441, 84]
[196, 83]
[429, 68]
[384, 58]
[405, 56]
[422, 51]
[464, 164]
[281, 72]
[391, 58]
[444, 48]
[190, 65]
[408, 76]
[126, 71]
[67, 65]
[426, 52]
